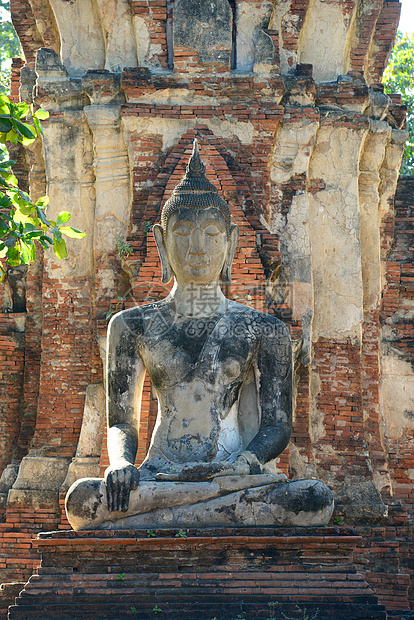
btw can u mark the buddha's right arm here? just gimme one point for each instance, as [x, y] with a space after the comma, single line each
[125, 377]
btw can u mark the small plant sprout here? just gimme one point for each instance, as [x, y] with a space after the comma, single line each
[181, 534]
[305, 614]
[242, 614]
[338, 520]
[123, 247]
[147, 228]
[113, 311]
[151, 534]
[156, 610]
[120, 576]
[272, 607]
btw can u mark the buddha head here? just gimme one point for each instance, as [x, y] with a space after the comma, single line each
[196, 240]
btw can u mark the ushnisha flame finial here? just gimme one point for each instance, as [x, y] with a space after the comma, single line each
[195, 191]
[195, 166]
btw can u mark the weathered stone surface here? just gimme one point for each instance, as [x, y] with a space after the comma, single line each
[204, 27]
[325, 52]
[361, 503]
[335, 236]
[252, 45]
[264, 501]
[41, 473]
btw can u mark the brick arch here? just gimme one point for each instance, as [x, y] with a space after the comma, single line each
[248, 280]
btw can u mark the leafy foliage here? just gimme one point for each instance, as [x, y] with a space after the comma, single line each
[9, 47]
[399, 77]
[23, 222]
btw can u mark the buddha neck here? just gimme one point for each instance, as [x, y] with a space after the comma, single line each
[189, 299]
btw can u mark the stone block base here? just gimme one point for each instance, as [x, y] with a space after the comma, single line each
[198, 574]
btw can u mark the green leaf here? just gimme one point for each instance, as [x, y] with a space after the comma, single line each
[25, 196]
[42, 216]
[5, 125]
[23, 129]
[7, 164]
[27, 252]
[72, 232]
[59, 248]
[26, 141]
[26, 209]
[8, 137]
[43, 201]
[57, 234]
[13, 257]
[42, 115]
[4, 105]
[11, 240]
[11, 179]
[62, 218]
[22, 109]
[4, 203]
[34, 235]
[21, 216]
[46, 241]
[38, 126]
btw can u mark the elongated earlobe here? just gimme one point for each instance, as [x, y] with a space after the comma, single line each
[165, 263]
[231, 248]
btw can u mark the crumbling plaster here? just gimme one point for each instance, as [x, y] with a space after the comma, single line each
[317, 44]
[250, 19]
[397, 396]
[70, 184]
[335, 233]
[172, 130]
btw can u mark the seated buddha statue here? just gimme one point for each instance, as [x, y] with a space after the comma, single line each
[222, 373]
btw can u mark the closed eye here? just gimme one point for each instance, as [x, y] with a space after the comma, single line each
[182, 232]
[212, 231]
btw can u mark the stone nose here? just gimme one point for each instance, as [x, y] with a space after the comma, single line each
[197, 242]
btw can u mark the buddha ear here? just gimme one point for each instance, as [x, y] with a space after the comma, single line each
[231, 248]
[162, 251]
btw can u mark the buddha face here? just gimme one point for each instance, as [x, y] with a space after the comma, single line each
[196, 244]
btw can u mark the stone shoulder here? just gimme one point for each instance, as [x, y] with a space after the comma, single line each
[131, 319]
[272, 323]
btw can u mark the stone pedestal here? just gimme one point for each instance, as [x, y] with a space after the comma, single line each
[198, 574]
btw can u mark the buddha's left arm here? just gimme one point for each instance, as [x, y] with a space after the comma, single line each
[274, 374]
